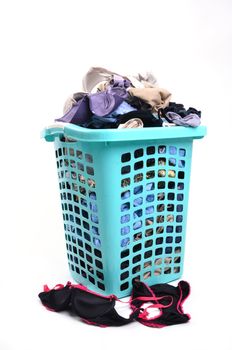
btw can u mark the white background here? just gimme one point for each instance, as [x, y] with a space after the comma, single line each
[46, 47]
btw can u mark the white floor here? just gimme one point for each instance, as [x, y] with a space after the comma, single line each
[46, 47]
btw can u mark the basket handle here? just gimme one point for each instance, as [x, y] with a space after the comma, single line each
[71, 131]
[50, 132]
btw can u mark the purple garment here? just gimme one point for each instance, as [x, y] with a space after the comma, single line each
[93, 207]
[105, 102]
[137, 225]
[94, 218]
[125, 230]
[138, 201]
[119, 91]
[191, 119]
[78, 114]
[109, 120]
[150, 210]
[125, 218]
[119, 81]
[101, 104]
[97, 242]
[125, 242]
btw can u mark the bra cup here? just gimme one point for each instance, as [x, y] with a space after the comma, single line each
[100, 311]
[56, 300]
[88, 305]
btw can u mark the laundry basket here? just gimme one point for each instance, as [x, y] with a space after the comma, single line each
[124, 197]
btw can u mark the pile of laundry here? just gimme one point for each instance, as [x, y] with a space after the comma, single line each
[111, 100]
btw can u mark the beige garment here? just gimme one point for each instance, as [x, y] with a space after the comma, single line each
[156, 97]
[102, 86]
[131, 124]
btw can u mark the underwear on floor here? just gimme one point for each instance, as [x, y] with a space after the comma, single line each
[99, 310]
[91, 307]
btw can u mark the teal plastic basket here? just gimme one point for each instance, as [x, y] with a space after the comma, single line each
[124, 197]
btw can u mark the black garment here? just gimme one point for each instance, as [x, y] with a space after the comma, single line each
[138, 103]
[171, 299]
[148, 119]
[91, 307]
[100, 123]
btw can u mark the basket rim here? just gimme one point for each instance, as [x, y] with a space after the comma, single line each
[79, 133]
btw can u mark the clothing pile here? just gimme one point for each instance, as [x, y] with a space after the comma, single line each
[99, 310]
[111, 100]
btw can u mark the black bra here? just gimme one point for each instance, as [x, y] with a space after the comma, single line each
[99, 310]
[91, 307]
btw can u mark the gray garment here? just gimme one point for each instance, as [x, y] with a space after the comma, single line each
[191, 119]
[147, 78]
[142, 80]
